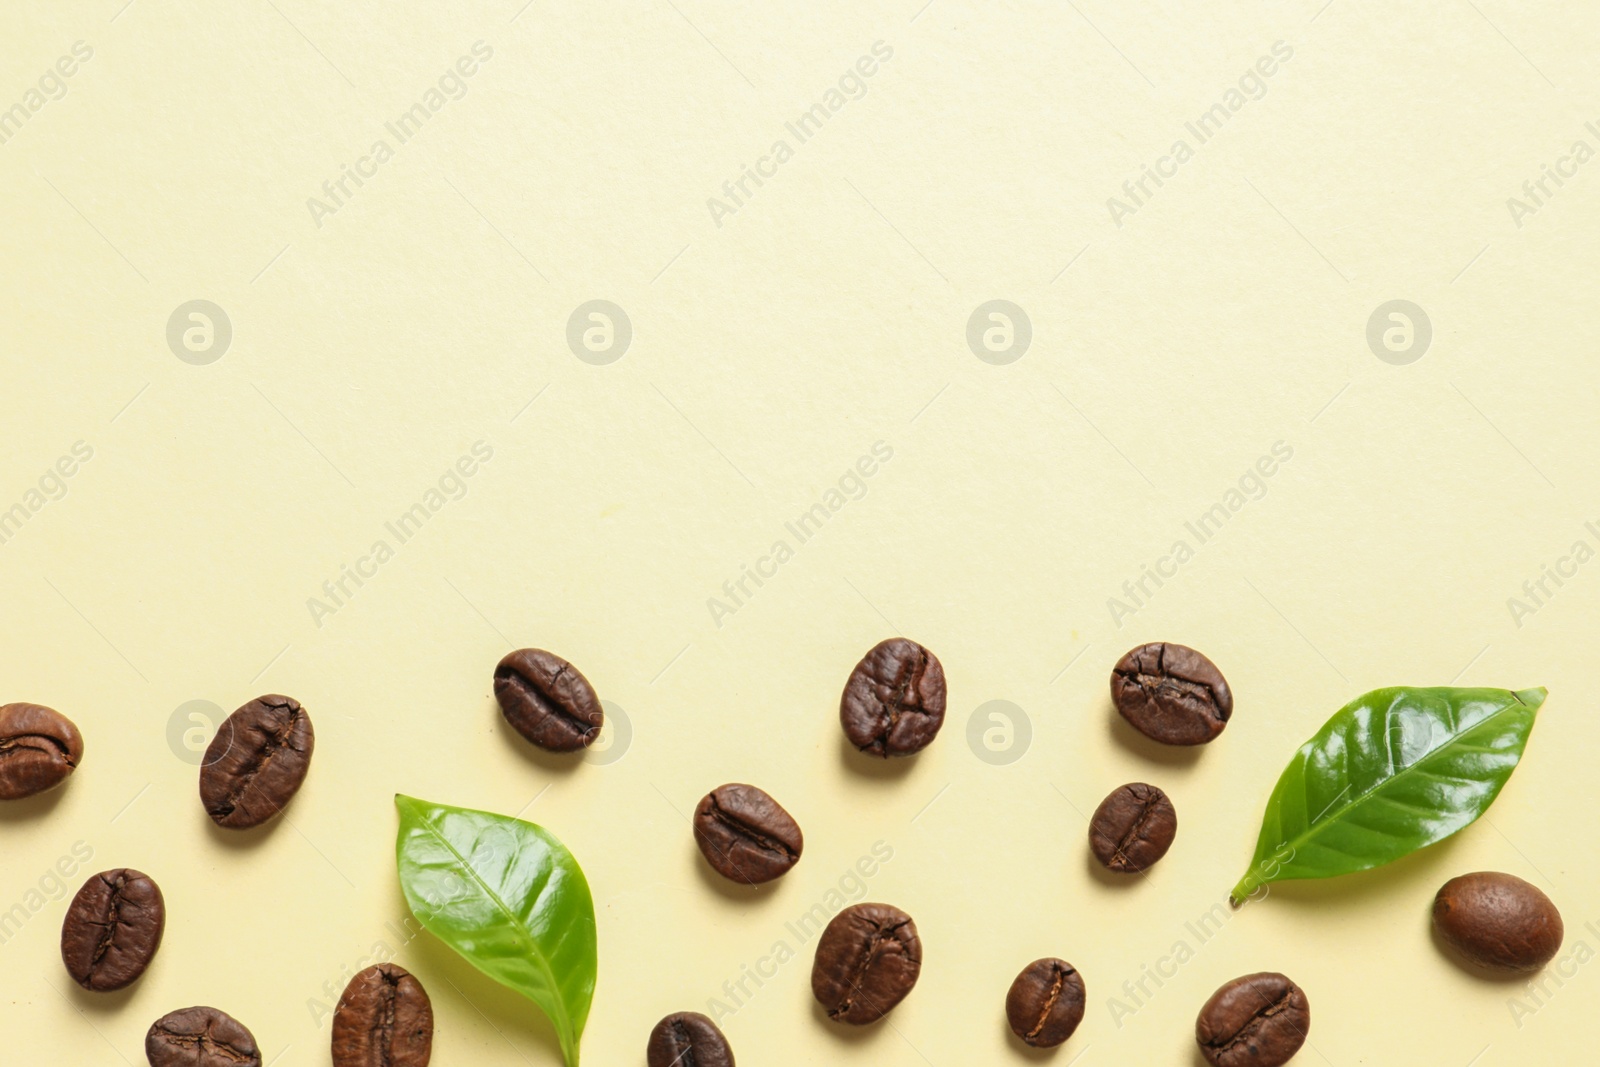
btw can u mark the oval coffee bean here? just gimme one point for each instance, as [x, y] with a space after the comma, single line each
[1132, 828]
[893, 704]
[112, 929]
[547, 700]
[384, 1019]
[688, 1039]
[745, 835]
[1498, 921]
[1260, 1020]
[39, 749]
[1171, 694]
[256, 763]
[200, 1037]
[1045, 1004]
[867, 961]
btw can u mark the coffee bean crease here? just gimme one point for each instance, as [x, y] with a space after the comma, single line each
[200, 1037]
[277, 739]
[384, 1019]
[749, 831]
[908, 680]
[1135, 833]
[1051, 996]
[882, 941]
[688, 1039]
[19, 743]
[1153, 683]
[1223, 1043]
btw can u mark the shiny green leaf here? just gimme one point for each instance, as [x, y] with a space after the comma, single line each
[509, 898]
[1391, 772]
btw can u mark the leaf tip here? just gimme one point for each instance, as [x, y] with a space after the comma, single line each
[1533, 697]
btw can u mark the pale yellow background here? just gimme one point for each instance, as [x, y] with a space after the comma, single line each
[827, 314]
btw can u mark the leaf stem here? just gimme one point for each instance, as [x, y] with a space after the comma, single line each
[1247, 885]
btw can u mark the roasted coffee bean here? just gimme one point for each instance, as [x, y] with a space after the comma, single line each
[1171, 694]
[384, 1019]
[1260, 1020]
[1045, 1004]
[200, 1037]
[867, 961]
[1498, 921]
[1132, 828]
[745, 835]
[39, 749]
[893, 704]
[547, 700]
[255, 764]
[688, 1039]
[112, 930]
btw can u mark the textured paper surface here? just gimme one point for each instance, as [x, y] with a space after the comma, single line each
[796, 328]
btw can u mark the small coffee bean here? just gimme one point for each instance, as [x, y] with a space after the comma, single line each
[547, 700]
[112, 929]
[688, 1039]
[893, 704]
[256, 762]
[384, 1019]
[1132, 828]
[1498, 921]
[1045, 1004]
[39, 749]
[1171, 694]
[1260, 1020]
[200, 1037]
[745, 835]
[867, 960]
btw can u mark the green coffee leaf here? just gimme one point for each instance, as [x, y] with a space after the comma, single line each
[510, 899]
[1391, 772]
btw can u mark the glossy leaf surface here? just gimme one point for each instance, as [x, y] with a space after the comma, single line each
[1391, 772]
[509, 898]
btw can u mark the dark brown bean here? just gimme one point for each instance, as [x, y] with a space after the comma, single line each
[745, 835]
[547, 700]
[200, 1037]
[1045, 1004]
[1498, 921]
[1132, 828]
[1260, 1020]
[867, 960]
[256, 762]
[39, 749]
[893, 704]
[384, 1019]
[112, 929]
[688, 1039]
[1172, 694]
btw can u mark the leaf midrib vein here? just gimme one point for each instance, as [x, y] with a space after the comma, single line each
[1314, 828]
